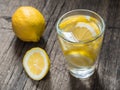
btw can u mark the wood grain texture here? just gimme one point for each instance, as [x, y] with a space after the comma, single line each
[12, 50]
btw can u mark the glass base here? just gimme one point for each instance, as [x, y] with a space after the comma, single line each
[82, 73]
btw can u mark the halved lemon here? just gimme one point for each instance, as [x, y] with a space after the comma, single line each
[36, 63]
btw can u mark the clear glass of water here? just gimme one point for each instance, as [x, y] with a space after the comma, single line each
[80, 33]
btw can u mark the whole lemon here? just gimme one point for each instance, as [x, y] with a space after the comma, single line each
[28, 24]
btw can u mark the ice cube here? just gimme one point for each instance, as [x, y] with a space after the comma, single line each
[69, 36]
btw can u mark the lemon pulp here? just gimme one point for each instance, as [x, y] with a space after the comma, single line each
[36, 63]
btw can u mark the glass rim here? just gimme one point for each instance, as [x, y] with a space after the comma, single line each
[59, 31]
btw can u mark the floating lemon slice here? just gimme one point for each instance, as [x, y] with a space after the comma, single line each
[36, 63]
[79, 28]
[73, 19]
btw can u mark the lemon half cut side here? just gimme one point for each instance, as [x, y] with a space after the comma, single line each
[36, 63]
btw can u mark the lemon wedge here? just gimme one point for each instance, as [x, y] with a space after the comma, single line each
[36, 63]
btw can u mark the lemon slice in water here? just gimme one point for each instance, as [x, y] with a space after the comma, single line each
[79, 28]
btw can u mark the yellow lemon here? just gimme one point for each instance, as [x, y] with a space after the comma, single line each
[28, 24]
[36, 63]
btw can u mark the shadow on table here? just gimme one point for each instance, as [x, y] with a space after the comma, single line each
[92, 83]
[44, 84]
[20, 47]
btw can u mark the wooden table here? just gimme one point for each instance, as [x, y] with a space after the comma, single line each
[12, 50]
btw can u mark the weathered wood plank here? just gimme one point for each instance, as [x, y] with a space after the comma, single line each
[107, 77]
[108, 63]
[12, 50]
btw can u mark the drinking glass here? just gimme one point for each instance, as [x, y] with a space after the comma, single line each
[80, 33]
